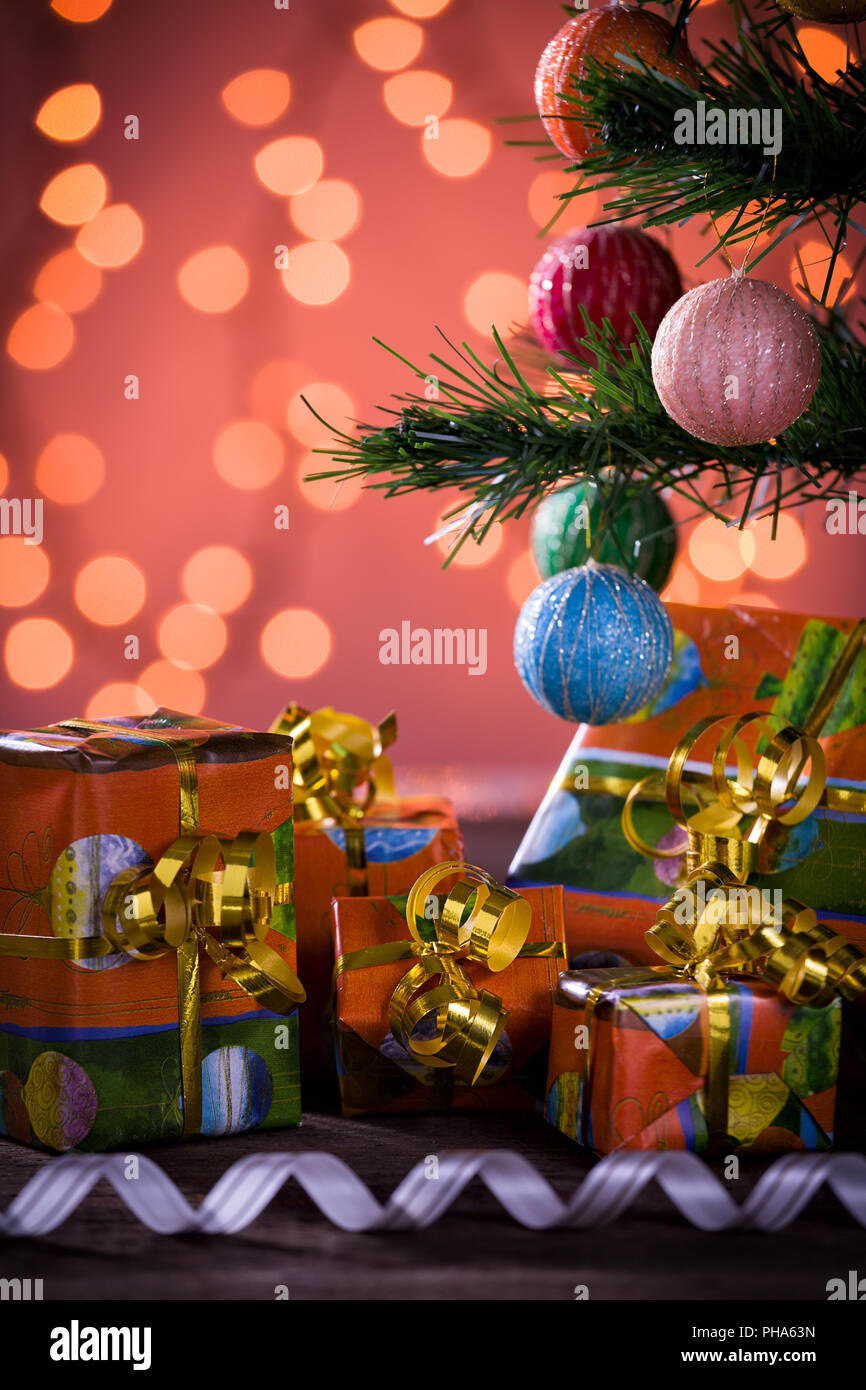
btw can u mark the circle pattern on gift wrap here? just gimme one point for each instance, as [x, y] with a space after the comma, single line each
[61, 1101]
[237, 1090]
[79, 882]
[14, 1122]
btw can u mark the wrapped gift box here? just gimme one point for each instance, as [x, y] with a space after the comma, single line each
[90, 1048]
[378, 1075]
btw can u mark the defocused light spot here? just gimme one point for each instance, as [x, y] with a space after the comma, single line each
[40, 337]
[112, 237]
[257, 97]
[273, 386]
[291, 165]
[81, 11]
[461, 149]
[327, 211]
[815, 256]
[318, 272]
[413, 96]
[522, 578]
[420, 9]
[70, 469]
[496, 298]
[330, 494]
[754, 601]
[683, 586]
[248, 454]
[192, 636]
[170, 687]
[545, 193]
[69, 281]
[826, 52]
[38, 653]
[471, 553]
[296, 643]
[4, 474]
[24, 571]
[74, 195]
[329, 401]
[214, 280]
[388, 44]
[119, 698]
[718, 551]
[71, 113]
[779, 558]
[219, 577]
[109, 590]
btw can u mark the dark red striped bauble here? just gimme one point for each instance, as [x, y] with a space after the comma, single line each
[612, 272]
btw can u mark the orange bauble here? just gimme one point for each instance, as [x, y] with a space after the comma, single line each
[600, 35]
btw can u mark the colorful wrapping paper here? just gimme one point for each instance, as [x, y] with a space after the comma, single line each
[640, 1081]
[89, 1049]
[377, 1075]
[726, 661]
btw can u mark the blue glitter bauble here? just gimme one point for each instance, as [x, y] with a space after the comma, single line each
[593, 644]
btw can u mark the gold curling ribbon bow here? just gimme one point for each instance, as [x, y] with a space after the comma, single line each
[480, 921]
[333, 755]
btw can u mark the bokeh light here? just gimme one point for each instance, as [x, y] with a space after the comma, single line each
[248, 454]
[219, 577]
[420, 9]
[118, 698]
[71, 113]
[329, 494]
[290, 165]
[109, 590]
[169, 686]
[388, 44]
[779, 558]
[192, 636]
[413, 96]
[38, 653]
[69, 281]
[815, 257]
[327, 211]
[683, 586]
[296, 643]
[257, 97]
[4, 474]
[462, 147]
[81, 11]
[112, 237]
[718, 551]
[545, 193]
[826, 52]
[496, 298]
[41, 337]
[471, 554]
[214, 280]
[329, 401]
[522, 578]
[74, 195]
[317, 273]
[273, 386]
[70, 469]
[24, 571]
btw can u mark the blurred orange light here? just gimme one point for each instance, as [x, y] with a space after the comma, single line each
[471, 554]
[815, 256]
[38, 653]
[462, 147]
[119, 697]
[219, 577]
[496, 298]
[24, 571]
[71, 113]
[81, 11]
[545, 193]
[779, 558]
[257, 97]
[329, 401]
[40, 337]
[273, 386]
[109, 590]
[74, 195]
[683, 586]
[112, 237]
[69, 281]
[169, 686]
[754, 601]
[420, 9]
[413, 96]
[214, 280]
[70, 469]
[296, 643]
[317, 273]
[327, 211]
[248, 454]
[192, 635]
[330, 494]
[4, 474]
[718, 551]
[826, 52]
[388, 44]
[291, 165]
[522, 578]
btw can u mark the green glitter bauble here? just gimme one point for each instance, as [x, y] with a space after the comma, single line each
[559, 533]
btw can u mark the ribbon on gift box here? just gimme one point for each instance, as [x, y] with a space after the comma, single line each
[334, 754]
[480, 921]
[187, 903]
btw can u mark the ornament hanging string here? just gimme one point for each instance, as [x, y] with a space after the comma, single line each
[738, 273]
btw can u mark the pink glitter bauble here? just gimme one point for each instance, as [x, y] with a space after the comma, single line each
[736, 361]
[611, 272]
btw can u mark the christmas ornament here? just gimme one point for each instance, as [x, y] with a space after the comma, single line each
[826, 11]
[593, 644]
[602, 35]
[736, 361]
[637, 532]
[610, 271]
